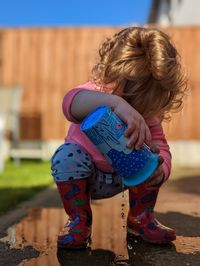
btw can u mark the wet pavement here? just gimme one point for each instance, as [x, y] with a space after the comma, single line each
[32, 241]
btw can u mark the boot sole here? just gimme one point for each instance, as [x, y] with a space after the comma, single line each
[134, 233]
[83, 246]
[72, 247]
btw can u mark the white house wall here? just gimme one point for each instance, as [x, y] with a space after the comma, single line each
[180, 12]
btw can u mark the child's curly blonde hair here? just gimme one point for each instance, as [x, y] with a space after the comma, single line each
[145, 65]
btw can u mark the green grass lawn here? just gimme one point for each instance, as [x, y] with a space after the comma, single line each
[19, 183]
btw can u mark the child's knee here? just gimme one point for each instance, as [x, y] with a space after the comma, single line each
[71, 161]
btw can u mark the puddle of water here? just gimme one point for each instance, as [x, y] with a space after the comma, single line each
[109, 247]
[40, 228]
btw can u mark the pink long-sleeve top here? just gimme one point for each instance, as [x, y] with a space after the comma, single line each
[76, 135]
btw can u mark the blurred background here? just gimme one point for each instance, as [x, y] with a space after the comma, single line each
[49, 47]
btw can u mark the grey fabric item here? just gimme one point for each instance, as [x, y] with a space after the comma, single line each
[71, 161]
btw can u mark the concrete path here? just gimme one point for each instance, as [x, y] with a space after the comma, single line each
[32, 230]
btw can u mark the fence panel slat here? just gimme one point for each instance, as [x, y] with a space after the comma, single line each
[47, 62]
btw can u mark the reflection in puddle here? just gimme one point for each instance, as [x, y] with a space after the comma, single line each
[40, 228]
[109, 247]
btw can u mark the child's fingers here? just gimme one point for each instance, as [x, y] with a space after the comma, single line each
[160, 160]
[157, 176]
[141, 137]
[155, 148]
[138, 135]
[133, 138]
[131, 126]
[155, 181]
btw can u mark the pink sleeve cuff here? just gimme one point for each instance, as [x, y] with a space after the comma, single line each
[66, 104]
[68, 98]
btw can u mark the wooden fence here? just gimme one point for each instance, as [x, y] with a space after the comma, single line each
[47, 62]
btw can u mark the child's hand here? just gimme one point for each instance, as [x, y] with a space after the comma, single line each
[158, 176]
[137, 130]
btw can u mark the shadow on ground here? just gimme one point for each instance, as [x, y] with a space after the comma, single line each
[139, 254]
[184, 224]
[36, 234]
[189, 184]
